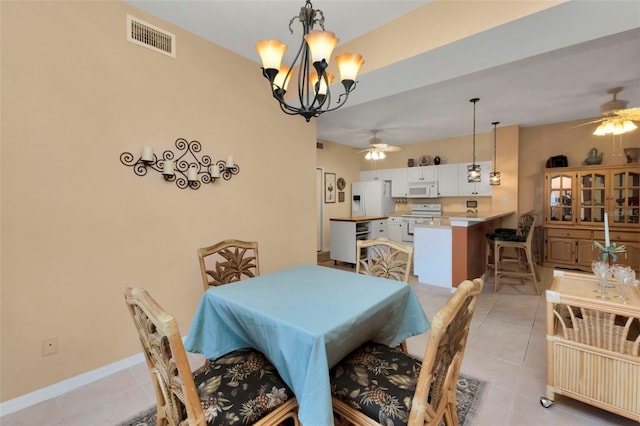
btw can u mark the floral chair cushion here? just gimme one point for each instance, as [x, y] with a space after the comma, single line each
[239, 388]
[377, 380]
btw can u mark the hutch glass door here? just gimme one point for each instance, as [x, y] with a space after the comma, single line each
[592, 200]
[560, 198]
[625, 197]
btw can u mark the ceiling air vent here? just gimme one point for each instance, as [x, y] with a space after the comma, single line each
[152, 37]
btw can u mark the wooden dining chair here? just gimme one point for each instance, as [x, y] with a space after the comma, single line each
[379, 385]
[228, 261]
[241, 387]
[385, 258]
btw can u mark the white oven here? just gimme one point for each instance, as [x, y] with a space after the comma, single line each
[419, 213]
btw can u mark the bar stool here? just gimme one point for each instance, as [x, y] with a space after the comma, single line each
[520, 240]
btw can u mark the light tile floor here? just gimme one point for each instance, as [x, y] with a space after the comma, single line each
[506, 348]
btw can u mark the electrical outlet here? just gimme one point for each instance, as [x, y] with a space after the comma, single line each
[50, 346]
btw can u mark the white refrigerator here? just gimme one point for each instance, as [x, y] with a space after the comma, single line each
[372, 198]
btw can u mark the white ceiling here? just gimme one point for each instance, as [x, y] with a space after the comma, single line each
[549, 67]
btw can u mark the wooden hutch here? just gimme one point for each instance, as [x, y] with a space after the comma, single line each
[576, 199]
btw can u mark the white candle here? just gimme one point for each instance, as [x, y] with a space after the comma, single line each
[214, 171]
[192, 174]
[147, 153]
[168, 168]
[229, 162]
[606, 231]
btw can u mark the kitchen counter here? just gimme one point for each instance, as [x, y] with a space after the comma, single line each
[358, 218]
[452, 249]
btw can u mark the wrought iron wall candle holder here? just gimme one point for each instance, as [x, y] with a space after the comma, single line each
[186, 170]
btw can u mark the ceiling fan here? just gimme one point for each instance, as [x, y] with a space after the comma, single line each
[616, 117]
[377, 148]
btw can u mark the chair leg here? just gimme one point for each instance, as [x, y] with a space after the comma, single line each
[532, 267]
[496, 262]
[488, 265]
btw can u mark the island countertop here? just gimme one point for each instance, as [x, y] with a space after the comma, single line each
[470, 219]
[358, 218]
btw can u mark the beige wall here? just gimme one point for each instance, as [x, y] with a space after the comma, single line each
[78, 226]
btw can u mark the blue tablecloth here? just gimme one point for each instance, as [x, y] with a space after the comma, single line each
[305, 319]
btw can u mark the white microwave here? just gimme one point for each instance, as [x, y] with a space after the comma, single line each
[423, 190]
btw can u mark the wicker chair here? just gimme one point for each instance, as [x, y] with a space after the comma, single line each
[374, 384]
[384, 258]
[241, 387]
[228, 261]
[522, 266]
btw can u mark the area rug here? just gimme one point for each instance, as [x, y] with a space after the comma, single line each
[469, 392]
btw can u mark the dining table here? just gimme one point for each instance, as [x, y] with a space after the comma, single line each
[305, 319]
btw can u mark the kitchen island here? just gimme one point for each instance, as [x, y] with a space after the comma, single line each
[345, 231]
[452, 249]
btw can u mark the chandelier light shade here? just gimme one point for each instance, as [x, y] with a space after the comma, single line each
[310, 65]
[473, 170]
[494, 177]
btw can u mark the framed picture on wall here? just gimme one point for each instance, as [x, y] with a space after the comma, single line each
[341, 197]
[329, 187]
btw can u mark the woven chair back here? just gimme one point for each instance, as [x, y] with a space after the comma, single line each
[384, 258]
[176, 394]
[228, 261]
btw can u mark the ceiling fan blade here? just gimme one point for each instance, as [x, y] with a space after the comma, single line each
[393, 148]
[379, 145]
[629, 113]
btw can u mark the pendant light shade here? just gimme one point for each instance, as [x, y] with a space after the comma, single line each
[473, 170]
[494, 177]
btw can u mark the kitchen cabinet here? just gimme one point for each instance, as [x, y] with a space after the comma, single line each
[575, 202]
[482, 188]
[378, 229]
[422, 174]
[382, 174]
[447, 180]
[394, 228]
[399, 182]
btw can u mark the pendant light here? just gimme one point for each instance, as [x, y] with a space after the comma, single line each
[473, 170]
[494, 177]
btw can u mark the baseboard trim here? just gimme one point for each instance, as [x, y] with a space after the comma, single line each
[67, 385]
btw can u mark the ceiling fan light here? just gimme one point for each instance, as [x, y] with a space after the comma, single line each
[321, 44]
[618, 129]
[381, 155]
[608, 127]
[368, 156]
[600, 131]
[271, 53]
[629, 125]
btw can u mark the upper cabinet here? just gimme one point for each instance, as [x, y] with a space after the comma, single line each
[422, 174]
[382, 174]
[447, 180]
[399, 182]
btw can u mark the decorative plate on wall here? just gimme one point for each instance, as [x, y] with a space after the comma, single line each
[424, 160]
[341, 184]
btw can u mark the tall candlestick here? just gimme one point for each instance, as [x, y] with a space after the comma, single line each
[607, 242]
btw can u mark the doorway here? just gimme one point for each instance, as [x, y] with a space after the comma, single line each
[319, 209]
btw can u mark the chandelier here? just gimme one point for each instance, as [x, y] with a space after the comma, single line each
[473, 170]
[310, 64]
[494, 177]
